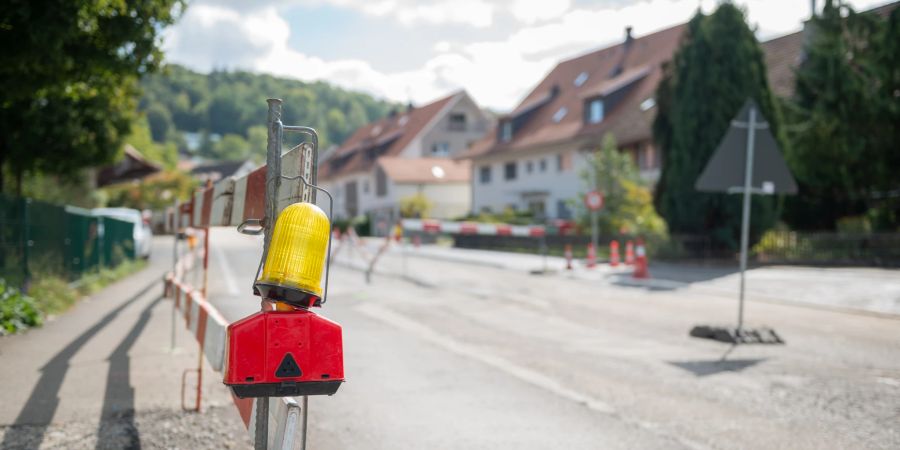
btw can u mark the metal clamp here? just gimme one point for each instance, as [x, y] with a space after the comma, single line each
[252, 227]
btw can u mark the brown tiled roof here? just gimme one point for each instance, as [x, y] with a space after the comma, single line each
[783, 56]
[640, 66]
[425, 170]
[385, 137]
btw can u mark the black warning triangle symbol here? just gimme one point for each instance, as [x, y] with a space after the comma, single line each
[288, 367]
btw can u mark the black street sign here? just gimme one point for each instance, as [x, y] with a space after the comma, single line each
[725, 170]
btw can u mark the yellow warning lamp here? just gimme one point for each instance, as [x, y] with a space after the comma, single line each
[295, 260]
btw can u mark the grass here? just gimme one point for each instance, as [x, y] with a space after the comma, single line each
[51, 295]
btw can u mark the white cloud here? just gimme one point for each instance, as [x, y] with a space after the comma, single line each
[497, 73]
[533, 11]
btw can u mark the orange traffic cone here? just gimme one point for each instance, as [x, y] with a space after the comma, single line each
[614, 253]
[568, 257]
[640, 266]
[629, 253]
[591, 256]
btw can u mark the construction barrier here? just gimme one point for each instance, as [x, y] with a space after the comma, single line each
[208, 327]
[487, 229]
[231, 202]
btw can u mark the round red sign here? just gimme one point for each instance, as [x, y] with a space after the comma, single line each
[593, 200]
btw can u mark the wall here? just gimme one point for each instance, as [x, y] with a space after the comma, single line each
[476, 127]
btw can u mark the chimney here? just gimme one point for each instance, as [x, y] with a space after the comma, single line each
[808, 32]
[626, 48]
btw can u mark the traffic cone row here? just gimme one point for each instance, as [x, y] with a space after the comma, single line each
[640, 264]
[629, 253]
[614, 253]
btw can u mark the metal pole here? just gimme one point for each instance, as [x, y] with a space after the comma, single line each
[261, 435]
[304, 418]
[594, 231]
[176, 220]
[273, 182]
[745, 217]
[273, 167]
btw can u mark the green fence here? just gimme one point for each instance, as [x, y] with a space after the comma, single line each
[38, 238]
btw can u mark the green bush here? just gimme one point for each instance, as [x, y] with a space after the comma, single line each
[17, 311]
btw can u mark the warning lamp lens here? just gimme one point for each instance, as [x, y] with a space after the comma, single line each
[297, 250]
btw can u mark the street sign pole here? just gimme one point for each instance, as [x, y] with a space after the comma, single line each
[594, 232]
[745, 217]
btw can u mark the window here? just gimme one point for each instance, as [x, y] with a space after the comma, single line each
[380, 183]
[484, 174]
[543, 164]
[563, 161]
[529, 167]
[560, 113]
[509, 171]
[537, 208]
[457, 122]
[580, 79]
[647, 104]
[440, 148]
[595, 111]
[506, 131]
[366, 186]
[562, 210]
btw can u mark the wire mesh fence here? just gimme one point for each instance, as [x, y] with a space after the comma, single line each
[38, 238]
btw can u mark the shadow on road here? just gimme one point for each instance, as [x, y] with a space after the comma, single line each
[704, 368]
[32, 421]
[117, 429]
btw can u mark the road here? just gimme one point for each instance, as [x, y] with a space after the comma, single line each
[450, 353]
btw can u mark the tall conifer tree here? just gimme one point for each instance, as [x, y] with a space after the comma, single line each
[717, 68]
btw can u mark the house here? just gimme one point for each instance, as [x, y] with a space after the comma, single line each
[533, 158]
[410, 151]
[132, 167]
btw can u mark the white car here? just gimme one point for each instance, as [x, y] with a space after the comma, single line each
[143, 235]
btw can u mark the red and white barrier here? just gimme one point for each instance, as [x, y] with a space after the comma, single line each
[231, 201]
[476, 228]
[208, 327]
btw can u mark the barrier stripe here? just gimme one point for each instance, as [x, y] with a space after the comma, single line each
[472, 228]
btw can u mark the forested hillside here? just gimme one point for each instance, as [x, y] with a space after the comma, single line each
[228, 110]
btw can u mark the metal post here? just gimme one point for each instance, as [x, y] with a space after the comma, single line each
[305, 416]
[273, 183]
[261, 441]
[745, 217]
[176, 220]
[594, 231]
[273, 167]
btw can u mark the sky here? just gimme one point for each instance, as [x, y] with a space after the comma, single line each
[420, 50]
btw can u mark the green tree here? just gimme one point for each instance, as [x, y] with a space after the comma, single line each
[69, 71]
[628, 203]
[717, 67]
[231, 147]
[844, 118]
[140, 138]
[415, 206]
[160, 121]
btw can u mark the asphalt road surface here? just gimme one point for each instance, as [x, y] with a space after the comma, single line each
[444, 353]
